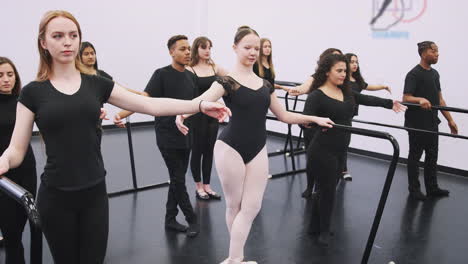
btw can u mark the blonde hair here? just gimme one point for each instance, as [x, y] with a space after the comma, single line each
[45, 63]
[261, 72]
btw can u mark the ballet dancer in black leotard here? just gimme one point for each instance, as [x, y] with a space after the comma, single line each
[331, 96]
[264, 66]
[204, 128]
[240, 152]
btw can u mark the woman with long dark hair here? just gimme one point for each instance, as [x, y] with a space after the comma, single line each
[88, 57]
[204, 128]
[357, 84]
[13, 218]
[332, 97]
[65, 102]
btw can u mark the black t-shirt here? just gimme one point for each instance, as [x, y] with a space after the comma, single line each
[171, 83]
[67, 124]
[340, 112]
[357, 87]
[267, 75]
[104, 74]
[7, 124]
[420, 82]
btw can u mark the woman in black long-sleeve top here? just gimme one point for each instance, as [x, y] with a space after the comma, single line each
[332, 97]
[13, 217]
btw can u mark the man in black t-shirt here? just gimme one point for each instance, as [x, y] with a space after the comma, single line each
[174, 81]
[422, 86]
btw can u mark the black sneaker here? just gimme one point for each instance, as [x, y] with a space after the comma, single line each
[193, 230]
[437, 192]
[176, 226]
[417, 195]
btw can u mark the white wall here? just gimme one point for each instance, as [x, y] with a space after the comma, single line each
[130, 40]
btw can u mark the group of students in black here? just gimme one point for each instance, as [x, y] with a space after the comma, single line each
[67, 97]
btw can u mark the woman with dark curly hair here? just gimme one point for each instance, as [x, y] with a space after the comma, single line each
[357, 84]
[332, 97]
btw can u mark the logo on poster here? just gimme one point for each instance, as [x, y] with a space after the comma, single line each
[390, 15]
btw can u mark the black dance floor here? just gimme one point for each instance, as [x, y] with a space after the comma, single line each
[431, 232]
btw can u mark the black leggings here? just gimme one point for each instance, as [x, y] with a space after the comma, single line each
[327, 167]
[13, 216]
[205, 132]
[75, 223]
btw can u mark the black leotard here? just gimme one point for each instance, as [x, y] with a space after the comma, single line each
[246, 131]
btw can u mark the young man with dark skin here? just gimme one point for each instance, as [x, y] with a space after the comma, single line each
[173, 81]
[422, 86]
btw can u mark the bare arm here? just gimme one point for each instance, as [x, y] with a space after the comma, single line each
[378, 87]
[423, 102]
[14, 154]
[303, 88]
[152, 106]
[294, 118]
[452, 125]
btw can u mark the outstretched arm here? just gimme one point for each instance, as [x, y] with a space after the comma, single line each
[378, 87]
[303, 88]
[369, 100]
[294, 118]
[213, 94]
[163, 106]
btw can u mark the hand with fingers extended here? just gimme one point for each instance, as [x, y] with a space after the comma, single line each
[398, 107]
[215, 110]
[425, 104]
[118, 121]
[103, 114]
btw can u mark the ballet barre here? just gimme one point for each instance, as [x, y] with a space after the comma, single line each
[26, 199]
[135, 188]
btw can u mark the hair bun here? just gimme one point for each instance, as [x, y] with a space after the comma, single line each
[243, 27]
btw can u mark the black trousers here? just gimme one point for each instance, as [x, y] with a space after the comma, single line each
[429, 143]
[75, 223]
[13, 216]
[205, 132]
[308, 136]
[177, 163]
[327, 168]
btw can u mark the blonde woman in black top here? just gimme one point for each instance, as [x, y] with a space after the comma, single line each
[264, 67]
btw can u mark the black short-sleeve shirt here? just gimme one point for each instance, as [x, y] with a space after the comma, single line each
[171, 83]
[420, 82]
[67, 124]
